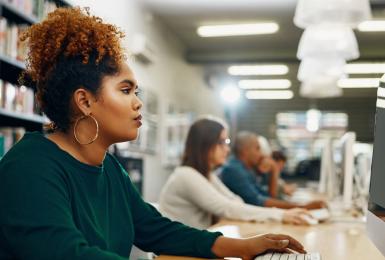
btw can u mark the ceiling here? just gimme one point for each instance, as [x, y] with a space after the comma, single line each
[183, 17]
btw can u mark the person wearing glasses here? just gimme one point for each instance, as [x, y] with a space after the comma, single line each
[195, 196]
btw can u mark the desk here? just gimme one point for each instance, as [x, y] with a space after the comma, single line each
[335, 241]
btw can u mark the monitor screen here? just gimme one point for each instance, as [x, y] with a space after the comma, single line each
[376, 208]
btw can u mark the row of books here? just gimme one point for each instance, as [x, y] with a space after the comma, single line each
[17, 99]
[34, 8]
[10, 45]
[8, 137]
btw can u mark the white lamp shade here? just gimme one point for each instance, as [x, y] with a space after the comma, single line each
[311, 67]
[326, 40]
[320, 87]
[348, 12]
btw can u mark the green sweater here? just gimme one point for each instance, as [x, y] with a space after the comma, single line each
[54, 207]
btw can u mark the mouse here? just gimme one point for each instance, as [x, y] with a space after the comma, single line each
[309, 220]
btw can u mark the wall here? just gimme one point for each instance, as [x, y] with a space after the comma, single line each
[173, 80]
[260, 115]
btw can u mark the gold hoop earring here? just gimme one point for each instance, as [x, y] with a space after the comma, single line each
[97, 129]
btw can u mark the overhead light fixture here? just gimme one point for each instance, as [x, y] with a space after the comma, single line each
[230, 94]
[237, 29]
[348, 12]
[269, 94]
[372, 26]
[364, 68]
[328, 39]
[246, 70]
[264, 83]
[359, 83]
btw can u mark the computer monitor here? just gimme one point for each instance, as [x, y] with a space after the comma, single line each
[337, 170]
[347, 142]
[328, 170]
[376, 210]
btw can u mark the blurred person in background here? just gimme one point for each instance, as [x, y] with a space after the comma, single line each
[194, 195]
[238, 175]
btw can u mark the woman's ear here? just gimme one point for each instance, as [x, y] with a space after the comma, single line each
[82, 100]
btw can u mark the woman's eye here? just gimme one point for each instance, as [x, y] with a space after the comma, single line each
[126, 90]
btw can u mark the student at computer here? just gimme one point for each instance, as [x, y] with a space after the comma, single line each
[194, 194]
[239, 175]
[63, 196]
[280, 161]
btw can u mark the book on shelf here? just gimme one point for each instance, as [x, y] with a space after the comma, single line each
[9, 136]
[10, 45]
[17, 99]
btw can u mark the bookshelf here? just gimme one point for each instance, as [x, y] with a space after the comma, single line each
[18, 112]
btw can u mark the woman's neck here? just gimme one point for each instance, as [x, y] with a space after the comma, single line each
[92, 154]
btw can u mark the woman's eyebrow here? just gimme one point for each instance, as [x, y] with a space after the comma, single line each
[130, 82]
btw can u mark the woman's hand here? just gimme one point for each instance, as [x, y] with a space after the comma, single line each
[272, 242]
[294, 216]
[248, 248]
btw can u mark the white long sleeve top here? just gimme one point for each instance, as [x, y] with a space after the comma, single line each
[190, 198]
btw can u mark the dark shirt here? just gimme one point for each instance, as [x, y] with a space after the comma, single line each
[54, 207]
[242, 182]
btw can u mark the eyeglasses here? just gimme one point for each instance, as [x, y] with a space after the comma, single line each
[224, 141]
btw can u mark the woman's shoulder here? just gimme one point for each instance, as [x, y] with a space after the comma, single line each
[187, 175]
[186, 171]
[32, 147]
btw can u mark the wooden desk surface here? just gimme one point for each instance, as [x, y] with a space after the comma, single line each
[335, 241]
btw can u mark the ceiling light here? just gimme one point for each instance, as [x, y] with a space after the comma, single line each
[269, 94]
[230, 94]
[372, 26]
[237, 29]
[359, 83]
[245, 70]
[264, 83]
[349, 12]
[328, 66]
[328, 39]
[364, 68]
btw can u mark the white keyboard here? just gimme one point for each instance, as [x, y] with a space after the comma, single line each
[281, 256]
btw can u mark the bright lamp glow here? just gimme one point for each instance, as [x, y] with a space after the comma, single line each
[245, 70]
[264, 83]
[269, 94]
[359, 83]
[364, 68]
[372, 26]
[237, 29]
[313, 117]
[230, 94]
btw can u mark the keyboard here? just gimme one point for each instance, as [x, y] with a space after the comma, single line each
[282, 256]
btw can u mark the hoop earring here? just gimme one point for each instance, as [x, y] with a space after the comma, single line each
[97, 129]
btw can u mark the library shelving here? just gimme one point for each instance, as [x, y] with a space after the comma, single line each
[17, 104]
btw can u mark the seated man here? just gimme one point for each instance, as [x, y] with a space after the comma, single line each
[239, 176]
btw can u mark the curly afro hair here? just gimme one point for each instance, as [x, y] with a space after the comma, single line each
[68, 50]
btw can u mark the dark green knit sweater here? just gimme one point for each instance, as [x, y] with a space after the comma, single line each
[55, 207]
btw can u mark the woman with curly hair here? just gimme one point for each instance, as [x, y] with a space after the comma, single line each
[62, 196]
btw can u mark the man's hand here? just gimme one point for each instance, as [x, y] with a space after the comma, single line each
[316, 204]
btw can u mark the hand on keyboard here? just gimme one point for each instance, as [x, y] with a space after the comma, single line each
[281, 256]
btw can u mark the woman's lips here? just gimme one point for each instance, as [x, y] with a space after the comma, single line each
[138, 120]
